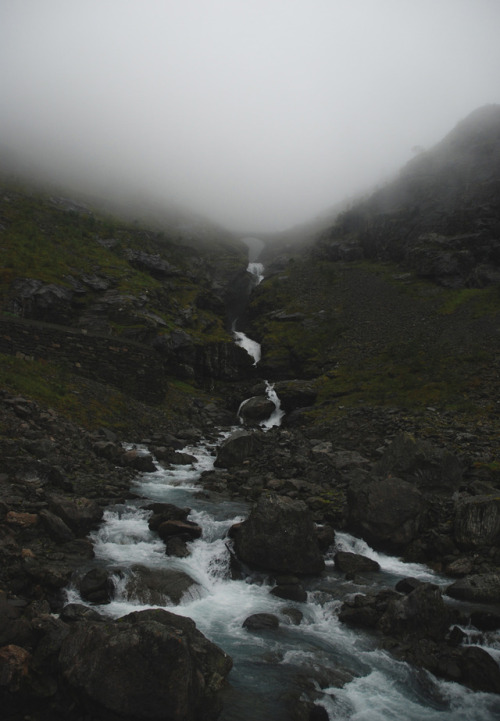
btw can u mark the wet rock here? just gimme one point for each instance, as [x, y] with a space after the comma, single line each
[279, 535]
[419, 614]
[354, 563]
[261, 621]
[165, 512]
[73, 612]
[96, 586]
[158, 587]
[147, 665]
[186, 529]
[477, 522]
[365, 610]
[256, 409]
[182, 459]
[139, 461]
[480, 588]
[176, 546]
[236, 449]
[290, 592]
[326, 536]
[485, 620]
[387, 513]
[293, 614]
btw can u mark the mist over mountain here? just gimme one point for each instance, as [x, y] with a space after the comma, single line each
[257, 115]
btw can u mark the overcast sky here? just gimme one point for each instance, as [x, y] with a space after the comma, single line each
[257, 113]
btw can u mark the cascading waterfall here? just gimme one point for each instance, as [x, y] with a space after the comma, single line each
[270, 666]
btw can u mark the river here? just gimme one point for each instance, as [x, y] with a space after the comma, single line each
[273, 667]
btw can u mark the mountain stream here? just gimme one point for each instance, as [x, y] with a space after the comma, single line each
[273, 666]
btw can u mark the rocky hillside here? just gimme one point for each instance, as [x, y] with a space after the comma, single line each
[441, 217]
[65, 264]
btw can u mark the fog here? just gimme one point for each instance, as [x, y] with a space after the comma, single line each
[259, 114]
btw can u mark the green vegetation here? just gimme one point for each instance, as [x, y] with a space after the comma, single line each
[372, 335]
[51, 241]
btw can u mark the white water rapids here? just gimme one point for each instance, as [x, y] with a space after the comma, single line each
[271, 666]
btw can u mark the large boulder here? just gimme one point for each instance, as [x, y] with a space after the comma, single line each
[295, 394]
[81, 515]
[236, 449]
[279, 535]
[419, 614]
[147, 665]
[477, 522]
[159, 586]
[430, 467]
[480, 588]
[256, 409]
[386, 512]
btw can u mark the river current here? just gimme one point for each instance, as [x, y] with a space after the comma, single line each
[271, 667]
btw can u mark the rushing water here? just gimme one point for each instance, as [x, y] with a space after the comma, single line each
[270, 666]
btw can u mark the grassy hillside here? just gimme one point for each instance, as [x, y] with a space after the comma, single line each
[371, 334]
[112, 276]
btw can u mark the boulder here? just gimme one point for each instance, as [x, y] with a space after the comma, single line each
[147, 665]
[477, 522]
[186, 529]
[96, 586]
[256, 409]
[81, 515]
[158, 586]
[427, 465]
[386, 512]
[295, 394]
[480, 588]
[261, 621]
[279, 535]
[419, 614]
[354, 563]
[139, 461]
[236, 449]
[165, 512]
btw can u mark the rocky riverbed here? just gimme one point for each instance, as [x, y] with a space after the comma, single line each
[420, 487]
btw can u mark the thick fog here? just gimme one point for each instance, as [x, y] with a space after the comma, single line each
[259, 114]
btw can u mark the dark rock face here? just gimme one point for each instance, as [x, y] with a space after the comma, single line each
[39, 301]
[430, 467]
[279, 535]
[477, 522]
[387, 513]
[147, 665]
[237, 448]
